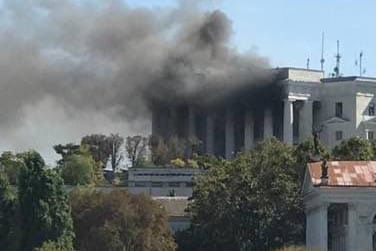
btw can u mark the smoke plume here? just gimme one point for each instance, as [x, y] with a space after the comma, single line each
[71, 68]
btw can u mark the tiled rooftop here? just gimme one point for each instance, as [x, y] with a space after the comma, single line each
[345, 173]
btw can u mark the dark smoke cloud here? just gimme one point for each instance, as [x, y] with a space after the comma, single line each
[68, 69]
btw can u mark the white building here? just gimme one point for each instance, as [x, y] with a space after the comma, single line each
[340, 206]
[337, 108]
[164, 181]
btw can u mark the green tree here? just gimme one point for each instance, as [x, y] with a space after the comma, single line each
[66, 151]
[43, 205]
[356, 148]
[119, 221]
[250, 203]
[7, 214]
[11, 165]
[79, 170]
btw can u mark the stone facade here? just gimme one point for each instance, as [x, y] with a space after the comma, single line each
[337, 108]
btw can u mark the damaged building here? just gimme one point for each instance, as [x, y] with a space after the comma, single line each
[292, 105]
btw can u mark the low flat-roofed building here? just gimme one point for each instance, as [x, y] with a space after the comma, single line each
[164, 181]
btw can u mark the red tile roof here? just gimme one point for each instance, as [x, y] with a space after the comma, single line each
[345, 173]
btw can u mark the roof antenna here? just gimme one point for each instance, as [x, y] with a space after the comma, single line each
[322, 60]
[308, 63]
[338, 62]
[361, 70]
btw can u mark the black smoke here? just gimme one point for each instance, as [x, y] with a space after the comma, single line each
[70, 68]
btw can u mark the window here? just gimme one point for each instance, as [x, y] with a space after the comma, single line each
[370, 135]
[174, 184]
[371, 109]
[141, 184]
[157, 184]
[339, 135]
[339, 109]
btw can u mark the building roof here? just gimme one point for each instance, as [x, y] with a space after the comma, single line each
[345, 173]
[349, 78]
[174, 206]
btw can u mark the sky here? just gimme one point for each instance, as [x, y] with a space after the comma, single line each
[289, 31]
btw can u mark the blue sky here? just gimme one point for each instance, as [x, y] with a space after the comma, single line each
[289, 31]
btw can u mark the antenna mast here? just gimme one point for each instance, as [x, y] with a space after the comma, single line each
[322, 61]
[360, 63]
[308, 60]
[338, 62]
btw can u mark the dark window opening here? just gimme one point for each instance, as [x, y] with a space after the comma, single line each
[371, 135]
[371, 109]
[339, 135]
[339, 109]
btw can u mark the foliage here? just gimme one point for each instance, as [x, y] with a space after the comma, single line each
[79, 170]
[136, 147]
[104, 148]
[7, 213]
[250, 203]
[119, 221]
[293, 248]
[98, 146]
[66, 151]
[54, 246]
[304, 153]
[163, 151]
[178, 163]
[43, 204]
[192, 163]
[356, 148]
[11, 165]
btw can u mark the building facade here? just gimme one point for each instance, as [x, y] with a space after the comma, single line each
[336, 108]
[163, 181]
[340, 206]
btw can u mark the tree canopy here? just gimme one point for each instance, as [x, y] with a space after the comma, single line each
[43, 205]
[119, 221]
[356, 148]
[250, 203]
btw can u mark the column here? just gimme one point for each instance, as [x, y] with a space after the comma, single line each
[352, 240]
[191, 123]
[288, 118]
[268, 123]
[248, 130]
[306, 120]
[317, 228]
[209, 134]
[229, 130]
